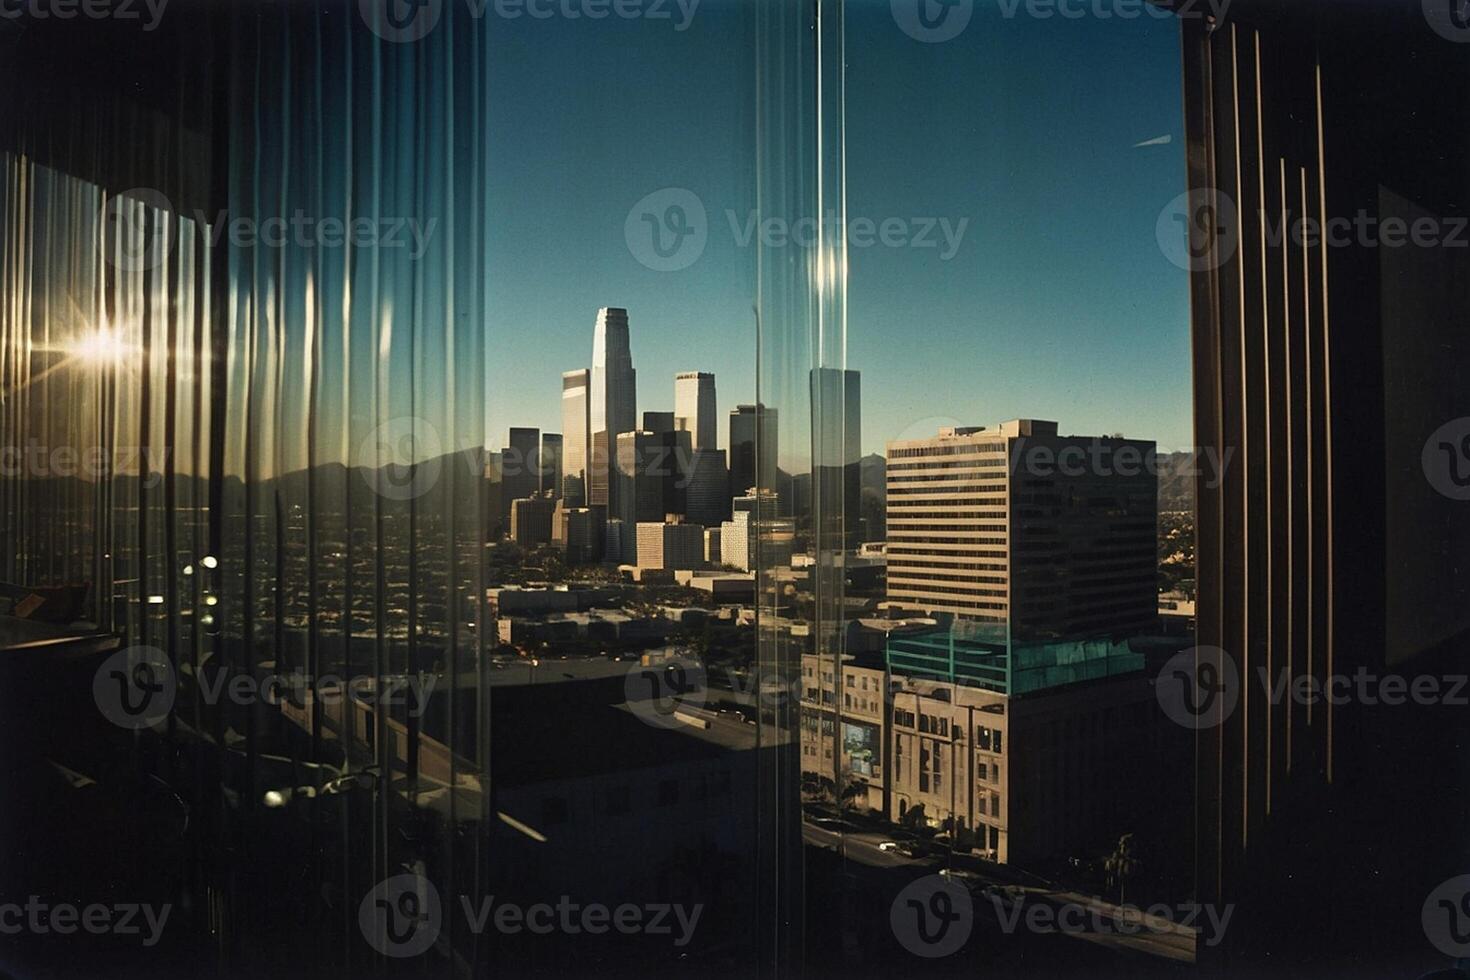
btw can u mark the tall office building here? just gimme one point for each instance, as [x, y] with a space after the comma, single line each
[612, 402]
[737, 540]
[530, 520]
[658, 422]
[694, 407]
[651, 480]
[549, 464]
[519, 467]
[750, 522]
[580, 532]
[1054, 536]
[751, 426]
[707, 496]
[837, 439]
[496, 508]
[576, 447]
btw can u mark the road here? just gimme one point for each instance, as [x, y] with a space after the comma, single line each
[1087, 919]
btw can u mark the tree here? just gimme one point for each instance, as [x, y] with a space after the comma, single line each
[1121, 865]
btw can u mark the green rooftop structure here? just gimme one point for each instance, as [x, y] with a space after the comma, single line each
[985, 657]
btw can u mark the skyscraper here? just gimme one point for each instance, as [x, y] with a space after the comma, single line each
[519, 467]
[1051, 536]
[549, 468]
[694, 407]
[650, 476]
[837, 439]
[659, 422]
[576, 435]
[530, 520]
[579, 531]
[612, 404]
[751, 426]
[708, 493]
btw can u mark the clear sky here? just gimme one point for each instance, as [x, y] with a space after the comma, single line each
[1057, 303]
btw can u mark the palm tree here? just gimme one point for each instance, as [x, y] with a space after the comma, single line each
[1121, 864]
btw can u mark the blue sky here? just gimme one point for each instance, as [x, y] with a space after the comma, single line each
[1057, 304]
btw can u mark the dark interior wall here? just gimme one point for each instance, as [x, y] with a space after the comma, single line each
[1330, 847]
[115, 103]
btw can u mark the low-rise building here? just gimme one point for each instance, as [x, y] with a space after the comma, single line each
[722, 586]
[1026, 753]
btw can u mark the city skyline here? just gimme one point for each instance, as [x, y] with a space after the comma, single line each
[1110, 351]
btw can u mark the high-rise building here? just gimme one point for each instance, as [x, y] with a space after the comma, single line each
[750, 520]
[530, 519]
[737, 540]
[612, 402]
[579, 532]
[694, 407]
[707, 496]
[651, 480]
[615, 545]
[837, 440]
[576, 446]
[670, 545]
[658, 422]
[549, 464]
[1052, 536]
[520, 467]
[495, 506]
[752, 432]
